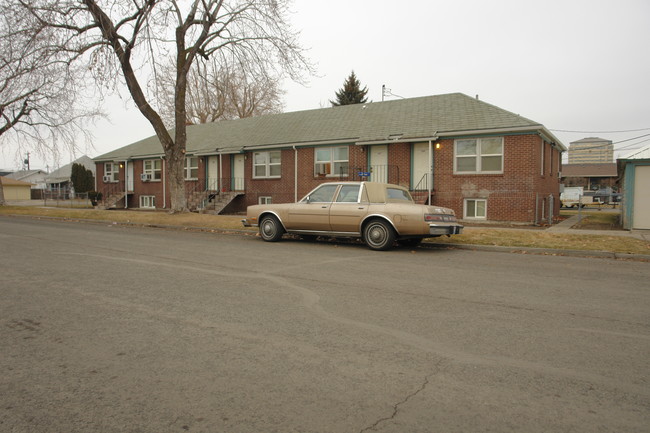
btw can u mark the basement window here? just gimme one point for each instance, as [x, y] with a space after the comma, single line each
[148, 201]
[475, 208]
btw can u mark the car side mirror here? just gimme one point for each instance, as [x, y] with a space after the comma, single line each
[308, 199]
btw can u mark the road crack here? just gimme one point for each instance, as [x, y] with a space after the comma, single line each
[397, 406]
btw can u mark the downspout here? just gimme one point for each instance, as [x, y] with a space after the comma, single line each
[295, 174]
[164, 183]
[126, 184]
[220, 173]
[430, 182]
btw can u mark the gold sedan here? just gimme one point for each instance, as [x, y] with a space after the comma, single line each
[378, 213]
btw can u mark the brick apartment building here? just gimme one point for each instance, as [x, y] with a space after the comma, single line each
[484, 162]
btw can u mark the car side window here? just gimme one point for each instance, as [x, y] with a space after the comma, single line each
[348, 194]
[395, 194]
[324, 194]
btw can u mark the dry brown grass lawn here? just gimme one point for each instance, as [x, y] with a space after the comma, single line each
[471, 236]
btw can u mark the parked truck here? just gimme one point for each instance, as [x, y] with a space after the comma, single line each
[573, 196]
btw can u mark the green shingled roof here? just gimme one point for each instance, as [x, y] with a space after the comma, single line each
[404, 119]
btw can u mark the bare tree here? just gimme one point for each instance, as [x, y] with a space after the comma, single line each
[135, 37]
[40, 103]
[220, 92]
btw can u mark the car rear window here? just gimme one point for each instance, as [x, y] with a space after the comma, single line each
[395, 194]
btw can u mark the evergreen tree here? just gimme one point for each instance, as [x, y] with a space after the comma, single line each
[351, 93]
[82, 178]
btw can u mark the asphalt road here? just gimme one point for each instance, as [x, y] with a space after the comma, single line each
[105, 328]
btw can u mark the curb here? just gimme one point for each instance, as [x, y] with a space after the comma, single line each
[542, 251]
[429, 245]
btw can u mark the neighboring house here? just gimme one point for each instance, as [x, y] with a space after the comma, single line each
[592, 150]
[484, 162]
[635, 183]
[16, 189]
[591, 177]
[59, 180]
[35, 177]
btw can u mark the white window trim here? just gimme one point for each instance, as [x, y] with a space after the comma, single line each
[264, 200]
[478, 156]
[267, 165]
[152, 170]
[114, 171]
[465, 216]
[188, 168]
[147, 201]
[331, 161]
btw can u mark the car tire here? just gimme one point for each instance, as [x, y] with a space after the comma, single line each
[270, 229]
[379, 235]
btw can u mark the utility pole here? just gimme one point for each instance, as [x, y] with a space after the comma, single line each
[26, 162]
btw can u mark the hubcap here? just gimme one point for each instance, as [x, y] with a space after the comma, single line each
[377, 234]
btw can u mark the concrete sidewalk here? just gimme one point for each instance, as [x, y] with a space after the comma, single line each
[566, 226]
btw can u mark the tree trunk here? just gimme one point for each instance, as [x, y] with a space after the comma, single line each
[176, 179]
[2, 193]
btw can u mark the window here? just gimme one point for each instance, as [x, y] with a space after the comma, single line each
[264, 200]
[348, 194]
[475, 208]
[479, 155]
[152, 168]
[267, 164]
[111, 172]
[324, 194]
[191, 167]
[148, 201]
[331, 161]
[395, 194]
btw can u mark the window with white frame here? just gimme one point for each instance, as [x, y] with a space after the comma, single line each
[267, 164]
[331, 161]
[478, 155]
[475, 208]
[111, 172]
[148, 201]
[152, 168]
[191, 167]
[264, 200]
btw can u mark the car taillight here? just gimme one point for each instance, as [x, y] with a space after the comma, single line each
[439, 218]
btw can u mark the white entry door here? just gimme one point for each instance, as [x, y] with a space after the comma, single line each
[379, 163]
[129, 176]
[213, 173]
[238, 173]
[421, 177]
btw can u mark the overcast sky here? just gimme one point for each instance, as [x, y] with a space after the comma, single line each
[571, 65]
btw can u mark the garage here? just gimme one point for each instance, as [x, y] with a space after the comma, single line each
[634, 178]
[16, 189]
[641, 207]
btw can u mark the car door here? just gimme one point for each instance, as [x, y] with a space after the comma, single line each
[312, 213]
[348, 209]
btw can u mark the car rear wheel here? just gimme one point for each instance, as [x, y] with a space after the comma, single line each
[379, 235]
[270, 229]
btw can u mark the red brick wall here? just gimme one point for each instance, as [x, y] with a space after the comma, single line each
[515, 195]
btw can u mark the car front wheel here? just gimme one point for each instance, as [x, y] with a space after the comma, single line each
[270, 229]
[379, 235]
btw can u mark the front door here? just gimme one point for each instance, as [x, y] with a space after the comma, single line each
[213, 173]
[379, 163]
[238, 173]
[421, 178]
[129, 176]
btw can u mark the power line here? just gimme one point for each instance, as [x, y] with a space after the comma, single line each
[601, 132]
